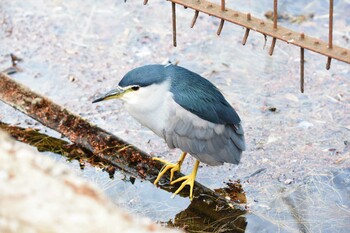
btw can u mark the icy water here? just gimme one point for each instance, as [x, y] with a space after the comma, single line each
[74, 50]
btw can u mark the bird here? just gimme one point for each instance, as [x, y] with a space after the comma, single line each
[187, 111]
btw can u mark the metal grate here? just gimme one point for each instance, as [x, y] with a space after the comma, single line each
[267, 28]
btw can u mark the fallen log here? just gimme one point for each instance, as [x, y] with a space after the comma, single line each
[46, 143]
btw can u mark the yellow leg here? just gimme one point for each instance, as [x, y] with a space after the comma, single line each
[188, 180]
[173, 167]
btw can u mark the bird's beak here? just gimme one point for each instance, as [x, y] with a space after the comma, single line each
[115, 93]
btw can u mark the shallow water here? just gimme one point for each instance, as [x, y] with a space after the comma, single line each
[74, 50]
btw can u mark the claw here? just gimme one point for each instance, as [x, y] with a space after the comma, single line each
[188, 180]
[173, 167]
[160, 160]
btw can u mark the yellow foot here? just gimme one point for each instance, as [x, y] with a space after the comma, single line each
[187, 180]
[172, 166]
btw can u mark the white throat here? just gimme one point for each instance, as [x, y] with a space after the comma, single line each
[150, 105]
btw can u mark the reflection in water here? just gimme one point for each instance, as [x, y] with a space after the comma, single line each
[203, 215]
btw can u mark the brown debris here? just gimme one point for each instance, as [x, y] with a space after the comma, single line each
[234, 191]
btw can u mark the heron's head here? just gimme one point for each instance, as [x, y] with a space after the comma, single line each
[142, 84]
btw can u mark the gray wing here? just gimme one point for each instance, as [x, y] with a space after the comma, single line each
[199, 96]
[210, 143]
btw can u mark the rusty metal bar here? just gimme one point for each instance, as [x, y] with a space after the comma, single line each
[330, 36]
[272, 47]
[223, 5]
[194, 18]
[145, 2]
[220, 27]
[275, 16]
[266, 27]
[328, 65]
[222, 21]
[330, 33]
[302, 61]
[173, 11]
[246, 34]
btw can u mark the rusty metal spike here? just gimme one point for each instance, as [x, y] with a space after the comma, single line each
[220, 27]
[328, 65]
[275, 14]
[246, 34]
[173, 11]
[272, 46]
[196, 13]
[330, 33]
[222, 5]
[302, 61]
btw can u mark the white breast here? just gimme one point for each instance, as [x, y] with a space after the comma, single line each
[150, 106]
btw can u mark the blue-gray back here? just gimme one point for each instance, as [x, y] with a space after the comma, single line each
[191, 91]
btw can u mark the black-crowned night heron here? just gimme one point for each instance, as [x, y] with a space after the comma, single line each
[185, 109]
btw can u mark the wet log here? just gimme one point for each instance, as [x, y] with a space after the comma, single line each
[112, 149]
[46, 143]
